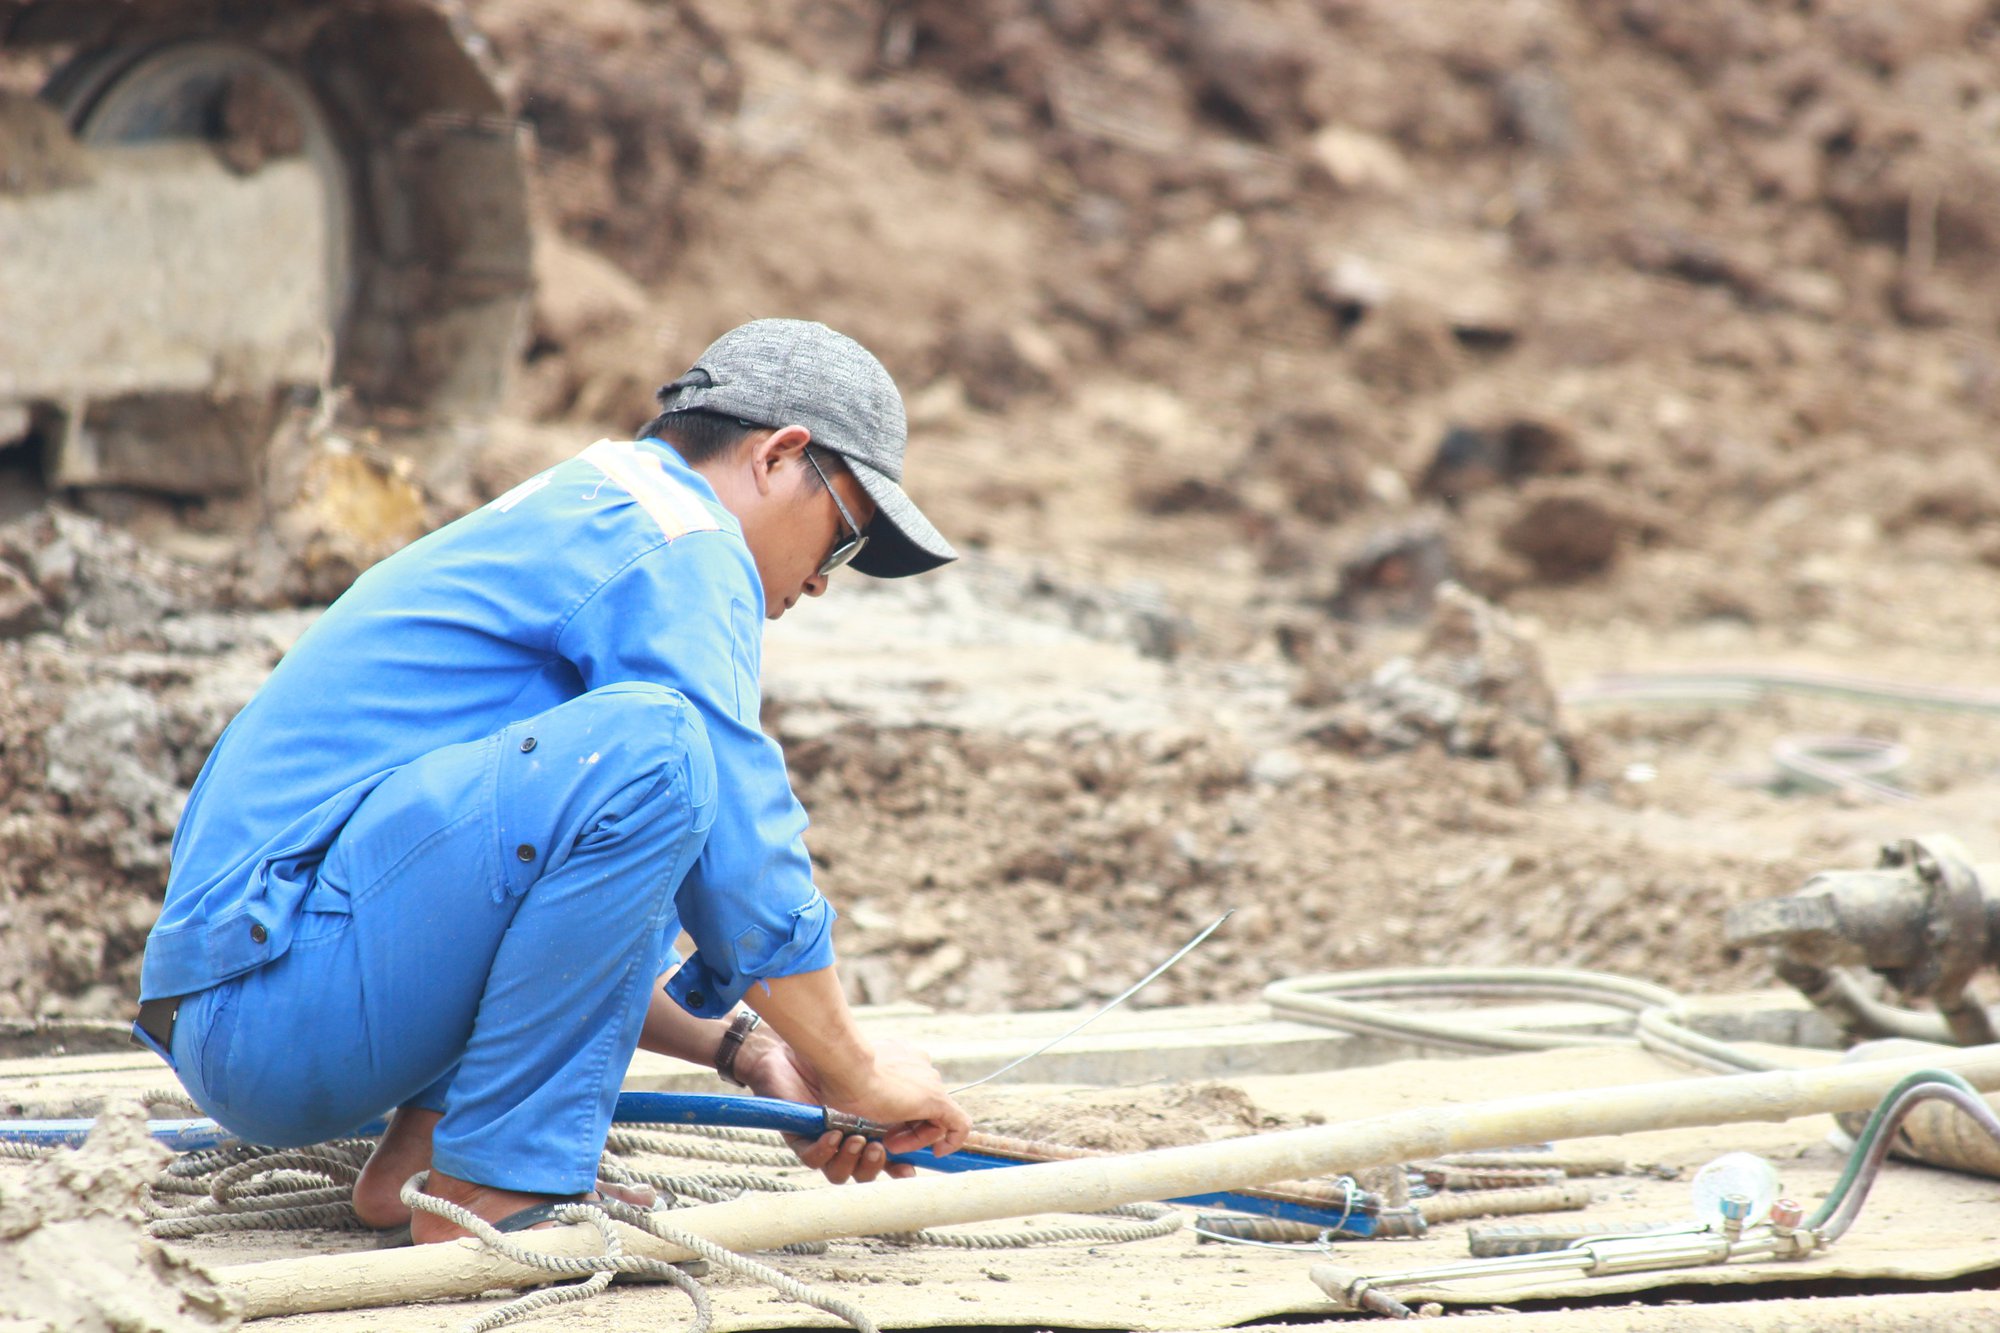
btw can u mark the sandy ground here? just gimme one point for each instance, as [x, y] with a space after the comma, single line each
[1920, 1225]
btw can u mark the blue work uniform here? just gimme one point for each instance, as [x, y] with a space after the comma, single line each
[442, 856]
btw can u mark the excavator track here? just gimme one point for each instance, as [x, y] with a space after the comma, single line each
[210, 210]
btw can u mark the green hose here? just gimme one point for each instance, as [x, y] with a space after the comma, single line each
[1878, 1124]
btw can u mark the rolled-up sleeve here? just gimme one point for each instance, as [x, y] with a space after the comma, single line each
[687, 615]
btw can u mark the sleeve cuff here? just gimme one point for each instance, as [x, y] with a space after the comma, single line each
[709, 991]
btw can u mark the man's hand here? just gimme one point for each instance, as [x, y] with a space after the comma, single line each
[810, 1051]
[772, 1069]
[898, 1085]
[892, 1083]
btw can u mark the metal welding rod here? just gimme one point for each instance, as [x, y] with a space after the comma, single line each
[1442, 1177]
[1496, 1239]
[1503, 1203]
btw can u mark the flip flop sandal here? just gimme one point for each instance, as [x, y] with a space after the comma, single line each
[537, 1213]
[532, 1216]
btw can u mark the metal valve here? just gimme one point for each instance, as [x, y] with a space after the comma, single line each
[1923, 918]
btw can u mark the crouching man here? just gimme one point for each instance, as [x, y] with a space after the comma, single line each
[438, 865]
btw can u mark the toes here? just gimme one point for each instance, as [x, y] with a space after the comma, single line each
[637, 1193]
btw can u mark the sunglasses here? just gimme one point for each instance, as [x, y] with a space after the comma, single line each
[849, 546]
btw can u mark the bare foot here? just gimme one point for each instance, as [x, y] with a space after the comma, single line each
[497, 1205]
[637, 1194]
[484, 1201]
[405, 1149]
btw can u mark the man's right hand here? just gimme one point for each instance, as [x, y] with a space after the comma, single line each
[889, 1082]
[772, 1069]
[904, 1088]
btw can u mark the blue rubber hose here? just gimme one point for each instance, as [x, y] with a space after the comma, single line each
[766, 1113]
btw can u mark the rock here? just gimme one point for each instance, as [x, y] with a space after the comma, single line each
[22, 610]
[1809, 292]
[934, 967]
[99, 574]
[1535, 107]
[106, 757]
[998, 366]
[1568, 534]
[1476, 687]
[1318, 457]
[1180, 268]
[37, 150]
[1246, 64]
[1171, 495]
[1395, 574]
[1466, 282]
[355, 506]
[1469, 459]
[1357, 161]
[1349, 286]
[1406, 345]
[579, 293]
[1276, 768]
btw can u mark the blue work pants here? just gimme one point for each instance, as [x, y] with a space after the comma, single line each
[483, 941]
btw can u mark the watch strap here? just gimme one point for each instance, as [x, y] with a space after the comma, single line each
[740, 1027]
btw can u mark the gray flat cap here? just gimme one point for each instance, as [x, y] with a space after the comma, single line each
[784, 372]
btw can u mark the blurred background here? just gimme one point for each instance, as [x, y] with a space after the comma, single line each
[1328, 395]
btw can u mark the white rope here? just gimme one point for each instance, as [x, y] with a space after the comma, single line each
[258, 1189]
[600, 1268]
[242, 1188]
[656, 1223]
[1154, 1221]
[700, 1149]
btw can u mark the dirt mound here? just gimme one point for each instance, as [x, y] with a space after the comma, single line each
[74, 1253]
[110, 712]
[1231, 274]
[1125, 1119]
[1476, 687]
[1664, 327]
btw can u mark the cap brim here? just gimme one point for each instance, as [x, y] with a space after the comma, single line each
[901, 541]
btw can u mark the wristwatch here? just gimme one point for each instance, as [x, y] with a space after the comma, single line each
[741, 1026]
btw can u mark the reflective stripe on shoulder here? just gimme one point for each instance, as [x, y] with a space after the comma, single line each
[673, 506]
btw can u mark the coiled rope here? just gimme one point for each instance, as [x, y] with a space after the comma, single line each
[732, 1149]
[243, 1188]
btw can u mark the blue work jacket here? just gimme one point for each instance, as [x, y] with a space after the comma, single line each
[618, 565]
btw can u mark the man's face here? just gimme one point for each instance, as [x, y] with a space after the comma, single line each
[790, 522]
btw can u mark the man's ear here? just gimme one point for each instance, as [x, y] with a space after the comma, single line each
[784, 447]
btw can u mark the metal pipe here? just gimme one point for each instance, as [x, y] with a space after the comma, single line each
[432, 1272]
